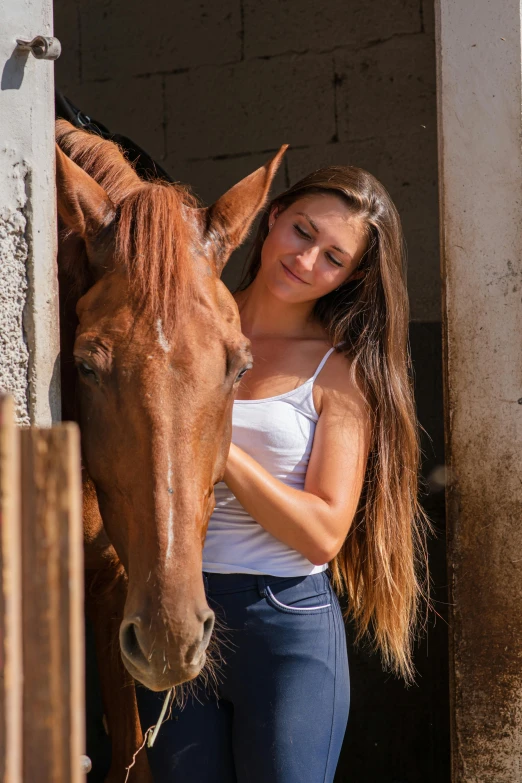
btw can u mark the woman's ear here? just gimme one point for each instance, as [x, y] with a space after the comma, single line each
[274, 212]
[357, 274]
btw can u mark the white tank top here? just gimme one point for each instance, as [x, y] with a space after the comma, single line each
[278, 433]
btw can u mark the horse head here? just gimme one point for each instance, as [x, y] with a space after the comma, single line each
[158, 352]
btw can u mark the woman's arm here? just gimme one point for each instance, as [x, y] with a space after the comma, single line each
[313, 521]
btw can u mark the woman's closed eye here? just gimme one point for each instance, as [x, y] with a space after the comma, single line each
[301, 232]
[304, 235]
[333, 260]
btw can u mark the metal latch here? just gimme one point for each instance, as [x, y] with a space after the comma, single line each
[42, 46]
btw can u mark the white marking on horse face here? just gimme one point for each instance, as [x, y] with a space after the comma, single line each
[170, 523]
[162, 340]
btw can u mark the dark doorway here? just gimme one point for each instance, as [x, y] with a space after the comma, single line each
[210, 90]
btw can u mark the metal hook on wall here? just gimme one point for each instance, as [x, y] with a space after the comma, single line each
[43, 47]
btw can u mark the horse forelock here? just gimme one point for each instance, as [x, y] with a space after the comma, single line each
[154, 233]
[154, 241]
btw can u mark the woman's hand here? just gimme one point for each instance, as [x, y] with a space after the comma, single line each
[316, 520]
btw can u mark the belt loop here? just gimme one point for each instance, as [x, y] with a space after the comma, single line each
[261, 585]
[205, 582]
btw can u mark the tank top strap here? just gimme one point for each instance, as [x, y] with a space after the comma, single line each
[323, 362]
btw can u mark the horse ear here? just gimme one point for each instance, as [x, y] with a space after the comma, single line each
[83, 205]
[230, 217]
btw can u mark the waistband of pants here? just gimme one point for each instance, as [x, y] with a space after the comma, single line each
[237, 583]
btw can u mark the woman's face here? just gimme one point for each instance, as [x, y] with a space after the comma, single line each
[312, 247]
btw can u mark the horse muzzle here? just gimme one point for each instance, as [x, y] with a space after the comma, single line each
[159, 658]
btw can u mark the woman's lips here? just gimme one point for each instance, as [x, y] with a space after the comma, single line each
[291, 275]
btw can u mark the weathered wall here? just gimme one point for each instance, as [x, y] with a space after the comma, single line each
[481, 189]
[28, 288]
[14, 354]
[211, 89]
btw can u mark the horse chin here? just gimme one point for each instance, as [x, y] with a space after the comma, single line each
[163, 680]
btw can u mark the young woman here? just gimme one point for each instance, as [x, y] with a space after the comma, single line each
[322, 470]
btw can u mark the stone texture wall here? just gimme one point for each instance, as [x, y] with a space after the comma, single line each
[28, 284]
[14, 353]
[211, 89]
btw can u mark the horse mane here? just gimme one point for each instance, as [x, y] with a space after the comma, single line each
[154, 234]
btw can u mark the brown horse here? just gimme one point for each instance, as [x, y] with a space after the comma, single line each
[151, 354]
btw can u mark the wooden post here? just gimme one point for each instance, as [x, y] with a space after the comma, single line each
[10, 599]
[52, 570]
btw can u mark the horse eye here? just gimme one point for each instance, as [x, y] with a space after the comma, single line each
[243, 372]
[85, 370]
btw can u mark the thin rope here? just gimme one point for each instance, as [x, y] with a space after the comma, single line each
[152, 732]
[152, 738]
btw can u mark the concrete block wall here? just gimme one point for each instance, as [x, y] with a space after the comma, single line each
[212, 89]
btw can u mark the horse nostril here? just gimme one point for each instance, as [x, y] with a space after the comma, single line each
[129, 642]
[208, 625]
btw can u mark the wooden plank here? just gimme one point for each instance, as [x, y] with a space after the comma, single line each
[52, 569]
[10, 599]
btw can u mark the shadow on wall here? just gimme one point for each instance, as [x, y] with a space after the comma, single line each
[13, 72]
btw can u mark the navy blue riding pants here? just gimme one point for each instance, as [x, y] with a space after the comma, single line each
[279, 711]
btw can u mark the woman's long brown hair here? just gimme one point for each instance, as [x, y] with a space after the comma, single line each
[382, 565]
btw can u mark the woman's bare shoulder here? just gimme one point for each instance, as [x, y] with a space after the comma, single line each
[336, 389]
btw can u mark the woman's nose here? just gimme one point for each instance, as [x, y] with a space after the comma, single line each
[307, 259]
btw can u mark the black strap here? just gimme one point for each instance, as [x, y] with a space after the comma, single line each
[146, 167]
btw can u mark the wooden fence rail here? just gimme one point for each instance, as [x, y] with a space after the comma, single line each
[41, 604]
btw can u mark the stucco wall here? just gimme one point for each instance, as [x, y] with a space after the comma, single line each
[210, 89]
[28, 285]
[14, 354]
